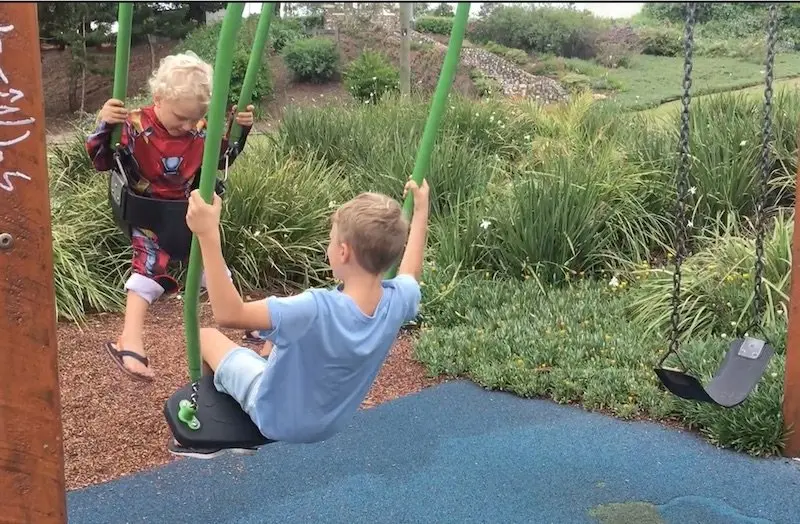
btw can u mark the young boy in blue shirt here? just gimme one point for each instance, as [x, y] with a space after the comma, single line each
[327, 344]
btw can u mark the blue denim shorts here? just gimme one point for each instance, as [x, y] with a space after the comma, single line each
[239, 374]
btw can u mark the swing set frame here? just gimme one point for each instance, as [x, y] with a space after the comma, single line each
[31, 445]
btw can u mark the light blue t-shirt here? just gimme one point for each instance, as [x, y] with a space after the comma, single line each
[326, 355]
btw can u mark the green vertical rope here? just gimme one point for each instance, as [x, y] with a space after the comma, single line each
[208, 174]
[122, 60]
[449, 68]
[254, 65]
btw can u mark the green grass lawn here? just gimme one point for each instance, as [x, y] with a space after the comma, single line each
[754, 92]
[654, 80]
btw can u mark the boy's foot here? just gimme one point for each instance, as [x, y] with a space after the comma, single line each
[133, 363]
[181, 451]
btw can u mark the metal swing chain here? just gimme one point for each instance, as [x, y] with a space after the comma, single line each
[763, 186]
[682, 180]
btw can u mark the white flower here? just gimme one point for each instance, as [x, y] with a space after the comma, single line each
[614, 282]
[527, 137]
[692, 190]
[485, 224]
[743, 143]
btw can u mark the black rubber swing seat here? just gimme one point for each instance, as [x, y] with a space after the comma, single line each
[223, 423]
[743, 367]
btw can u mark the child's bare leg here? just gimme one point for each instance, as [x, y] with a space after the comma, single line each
[149, 262]
[131, 338]
[214, 346]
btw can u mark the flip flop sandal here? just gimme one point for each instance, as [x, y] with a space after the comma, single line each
[253, 339]
[116, 355]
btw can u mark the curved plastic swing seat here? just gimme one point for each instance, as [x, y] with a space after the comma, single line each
[223, 423]
[739, 373]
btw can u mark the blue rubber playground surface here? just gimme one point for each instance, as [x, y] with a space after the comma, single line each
[456, 453]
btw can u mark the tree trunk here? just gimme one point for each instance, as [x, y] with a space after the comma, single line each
[405, 48]
[152, 52]
[83, 66]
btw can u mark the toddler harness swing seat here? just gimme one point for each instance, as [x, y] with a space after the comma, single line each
[166, 218]
[747, 357]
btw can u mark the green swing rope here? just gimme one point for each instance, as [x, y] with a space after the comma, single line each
[216, 117]
[254, 65]
[216, 121]
[122, 60]
[438, 106]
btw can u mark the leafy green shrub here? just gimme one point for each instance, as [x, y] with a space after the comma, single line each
[564, 32]
[276, 217]
[91, 257]
[661, 41]
[612, 55]
[717, 283]
[486, 86]
[284, 31]
[203, 41]
[438, 25]
[312, 59]
[370, 76]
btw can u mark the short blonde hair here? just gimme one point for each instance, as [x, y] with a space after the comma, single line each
[181, 76]
[374, 227]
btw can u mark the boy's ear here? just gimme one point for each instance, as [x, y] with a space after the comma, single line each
[347, 252]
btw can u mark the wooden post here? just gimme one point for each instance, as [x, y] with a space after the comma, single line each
[31, 447]
[791, 383]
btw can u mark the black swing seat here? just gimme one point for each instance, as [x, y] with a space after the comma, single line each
[223, 423]
[744, 364]
[166, 218]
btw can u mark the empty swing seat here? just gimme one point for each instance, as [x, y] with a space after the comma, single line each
[743, 367]
[223, 423]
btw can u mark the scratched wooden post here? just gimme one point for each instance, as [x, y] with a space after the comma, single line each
[791, 385]
[31, 448]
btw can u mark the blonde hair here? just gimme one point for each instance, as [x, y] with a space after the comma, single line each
[181, 76]
[374, 227]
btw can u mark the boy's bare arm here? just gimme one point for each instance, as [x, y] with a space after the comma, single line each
[227, 305]
[411, 264]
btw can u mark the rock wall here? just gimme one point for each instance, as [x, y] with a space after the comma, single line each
[515, 82]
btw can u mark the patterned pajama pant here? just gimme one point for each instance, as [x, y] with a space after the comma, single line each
[149, 266]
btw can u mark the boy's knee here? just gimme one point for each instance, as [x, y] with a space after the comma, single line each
[208, 336]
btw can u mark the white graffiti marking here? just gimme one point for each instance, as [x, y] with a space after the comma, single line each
[5, 29]
[14, 95]
[6, 183]
[24, 121]
[13, 141]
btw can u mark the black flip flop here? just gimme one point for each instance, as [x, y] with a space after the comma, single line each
[116, 355]
[248, 337]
